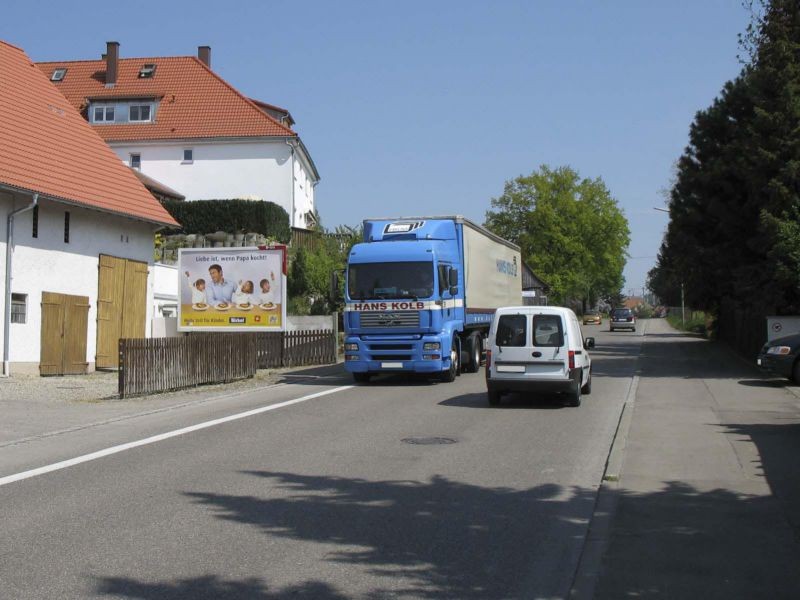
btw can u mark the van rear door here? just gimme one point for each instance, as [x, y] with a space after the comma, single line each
[548, 347]
[513, 345]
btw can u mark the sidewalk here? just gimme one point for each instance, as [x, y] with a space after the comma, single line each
[34, 407]
[708, 499]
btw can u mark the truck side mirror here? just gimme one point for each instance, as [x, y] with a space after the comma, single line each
[453, 278]
[453, 290]
[588, 343]
[334, 291]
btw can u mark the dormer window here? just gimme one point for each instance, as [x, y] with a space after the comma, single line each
[147, 71]
[103, 114]
[139, 112]
[58, 75]
[106, 111]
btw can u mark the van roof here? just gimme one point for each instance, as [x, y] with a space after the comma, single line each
[545, 310]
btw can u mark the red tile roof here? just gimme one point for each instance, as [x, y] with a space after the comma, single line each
[47, 147]
[194, 101]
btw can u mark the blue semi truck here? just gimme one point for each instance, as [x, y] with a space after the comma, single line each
[420, 293]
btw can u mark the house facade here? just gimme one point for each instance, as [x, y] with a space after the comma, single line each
[177, 121]
[77, 244]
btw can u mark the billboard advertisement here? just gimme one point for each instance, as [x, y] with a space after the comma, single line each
[232, 289]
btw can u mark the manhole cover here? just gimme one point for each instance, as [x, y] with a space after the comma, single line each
[429, 441]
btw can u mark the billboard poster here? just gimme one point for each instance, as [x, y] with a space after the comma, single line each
[232, 289]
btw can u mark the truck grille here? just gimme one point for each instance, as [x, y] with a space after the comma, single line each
[397, 318]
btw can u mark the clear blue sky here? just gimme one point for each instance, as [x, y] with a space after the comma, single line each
[421, 107]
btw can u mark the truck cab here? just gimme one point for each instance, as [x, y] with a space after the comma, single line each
[404, 302]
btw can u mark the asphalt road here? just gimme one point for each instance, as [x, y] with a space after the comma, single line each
[333, 497]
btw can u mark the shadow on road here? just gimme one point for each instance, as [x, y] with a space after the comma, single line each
[766, 383]
[681, 542]
[212, 587]
[509, 401]
[778, 449]
[446, 539]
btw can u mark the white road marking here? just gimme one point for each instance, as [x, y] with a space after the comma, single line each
[160, 437]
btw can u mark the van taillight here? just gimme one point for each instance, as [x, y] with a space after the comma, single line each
[488, 360]
[571, 359]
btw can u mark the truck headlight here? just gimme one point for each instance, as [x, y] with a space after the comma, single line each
[779, 350]
[431, 346]
[351, 357]
[351, 347]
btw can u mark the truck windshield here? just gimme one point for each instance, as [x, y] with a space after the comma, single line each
[390, 280]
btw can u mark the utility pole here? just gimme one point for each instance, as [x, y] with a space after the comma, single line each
[683, 308]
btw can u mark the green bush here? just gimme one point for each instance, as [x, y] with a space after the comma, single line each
[695, 321]
[231, 216]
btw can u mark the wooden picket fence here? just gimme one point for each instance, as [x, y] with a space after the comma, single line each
[152, 365]
[296, 349]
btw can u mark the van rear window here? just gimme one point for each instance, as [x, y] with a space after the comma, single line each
[547, 331]
[511, 330]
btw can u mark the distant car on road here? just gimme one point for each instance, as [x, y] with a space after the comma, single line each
[592, 317]
[780, 357]
[622, 318]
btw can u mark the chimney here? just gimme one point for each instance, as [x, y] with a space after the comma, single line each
[204, 54]
[112, 59]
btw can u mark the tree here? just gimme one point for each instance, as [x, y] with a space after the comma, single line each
[311, 268]
[735, 207]
[570, 231]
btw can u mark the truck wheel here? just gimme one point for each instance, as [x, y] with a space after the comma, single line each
[361, 377]
[475, 350]
[574, 397]
[494, 397]
[455, 366]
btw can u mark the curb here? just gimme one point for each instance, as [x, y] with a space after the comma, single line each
[616, 455]
[594, 548]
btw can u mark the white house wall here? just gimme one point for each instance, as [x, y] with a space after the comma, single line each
[47, 264]
[303, 193]
[222, 170]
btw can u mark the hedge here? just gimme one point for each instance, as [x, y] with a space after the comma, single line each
[231, 216]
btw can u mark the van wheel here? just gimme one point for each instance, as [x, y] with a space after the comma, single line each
[574, 397]
[475, 349]
[494, 397]
[587, 389]
[361, 377]
[451, 373]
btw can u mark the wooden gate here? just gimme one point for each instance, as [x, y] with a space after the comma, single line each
[121, 306]
[65, 320]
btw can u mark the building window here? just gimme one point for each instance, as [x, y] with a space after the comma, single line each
[136, 161]
[66, 227]
[103, 114]
[35, 230]
[19, 308]
[58, 75]
[139, 112]
[188, 155]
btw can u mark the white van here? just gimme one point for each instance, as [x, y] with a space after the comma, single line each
[537, 349]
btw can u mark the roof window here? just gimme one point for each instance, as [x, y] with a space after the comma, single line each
[147, 71]
[58, 75]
